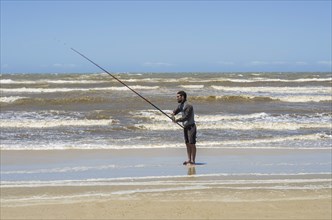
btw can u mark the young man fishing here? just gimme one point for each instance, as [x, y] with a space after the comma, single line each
[189, 125]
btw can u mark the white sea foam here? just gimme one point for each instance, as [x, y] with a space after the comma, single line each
[86, 146]
[305, 98]
[73, 81]
[192, 86]
[10, 99]
[177, 180]
[241, 126]
[226, 79]
[77, 169]
[84, 80]
[253, 80]
[260, 79]
[240, 122]
[285, 90]
[260, 116]
[151, 80]
[290, 98]
[32, 123]
[41, 115]
[266, 143]
[6, 81]
[222, 117]
[155, 115]
[10, 81]
[285, 94]
[254, 142]
[53, 90]
[156, 121]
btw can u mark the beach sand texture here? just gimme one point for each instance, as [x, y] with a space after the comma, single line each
[190, 194]
[176, 209]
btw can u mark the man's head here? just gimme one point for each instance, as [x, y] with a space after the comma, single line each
[181, 96]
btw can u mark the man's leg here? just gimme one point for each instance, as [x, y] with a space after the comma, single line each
[189, 151]
[192, 145]
[192, 151]
[186, 139]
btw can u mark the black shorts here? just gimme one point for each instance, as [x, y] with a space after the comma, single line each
[190, 134]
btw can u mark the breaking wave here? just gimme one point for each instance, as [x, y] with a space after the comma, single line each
[54, 123]
[233, 98]
[252, 98]
[11, 99]
[56, 90]
[265, 143]
[284, 90]
[52, 101]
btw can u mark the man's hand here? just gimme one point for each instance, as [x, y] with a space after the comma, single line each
[173, 118]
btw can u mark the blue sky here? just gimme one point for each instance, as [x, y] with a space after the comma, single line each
[165, 36]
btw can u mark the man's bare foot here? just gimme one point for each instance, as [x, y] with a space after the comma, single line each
[186, 162]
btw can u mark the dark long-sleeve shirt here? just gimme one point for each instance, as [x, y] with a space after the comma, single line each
[187, 111]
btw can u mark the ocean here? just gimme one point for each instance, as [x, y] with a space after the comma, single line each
[72, 128]
[93, 111]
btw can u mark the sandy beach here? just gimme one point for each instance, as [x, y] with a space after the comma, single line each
[292, 205]
[188, 196]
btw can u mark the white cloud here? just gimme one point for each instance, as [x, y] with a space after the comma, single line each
[264, 63]
[226, 63]
[258, 63]
[156, 64]
[279, 63]
[325, 62]
[60, 65]
[301, 63]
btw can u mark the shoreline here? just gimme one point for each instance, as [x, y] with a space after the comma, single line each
[14, 156]
[80, 165]
[153, 184]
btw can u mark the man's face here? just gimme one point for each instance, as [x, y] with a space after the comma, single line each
[179, 98]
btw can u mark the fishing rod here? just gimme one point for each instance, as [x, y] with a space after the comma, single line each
[125, 85]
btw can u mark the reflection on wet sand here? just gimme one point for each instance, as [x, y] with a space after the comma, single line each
[191, 170]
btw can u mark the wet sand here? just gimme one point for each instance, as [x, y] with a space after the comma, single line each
[19, 157]
[165, 190]
[313, 205]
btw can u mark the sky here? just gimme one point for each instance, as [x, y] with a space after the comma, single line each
[166, 36]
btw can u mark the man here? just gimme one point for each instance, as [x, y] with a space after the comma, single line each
[188, 121]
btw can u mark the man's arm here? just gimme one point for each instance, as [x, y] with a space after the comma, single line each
[176, 111]
[187, 112]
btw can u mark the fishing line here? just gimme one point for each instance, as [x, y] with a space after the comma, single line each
[125, 85]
